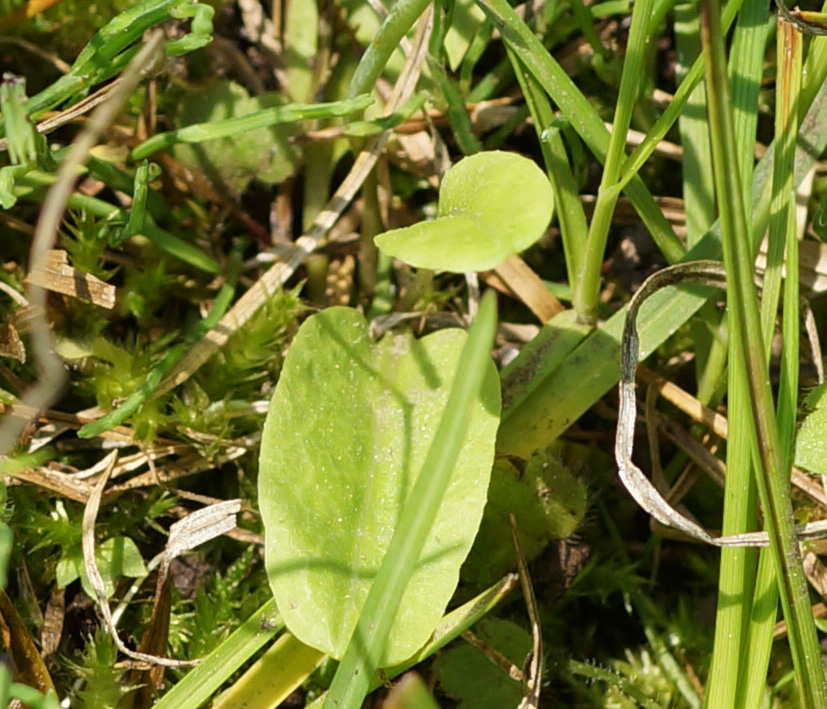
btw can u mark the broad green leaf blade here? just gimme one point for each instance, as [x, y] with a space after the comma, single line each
[491, 205]
[349, 427]
[508, 194]
[452, 239]
[417, 520]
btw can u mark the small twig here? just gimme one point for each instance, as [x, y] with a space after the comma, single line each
[493, 655]
[52, 59]
[531, 699]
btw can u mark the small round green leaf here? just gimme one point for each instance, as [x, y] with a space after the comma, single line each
[348, 429]
[491, 205]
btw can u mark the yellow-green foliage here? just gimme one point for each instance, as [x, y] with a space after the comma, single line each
[118, 372]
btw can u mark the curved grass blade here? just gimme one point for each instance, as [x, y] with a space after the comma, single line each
[352, 680]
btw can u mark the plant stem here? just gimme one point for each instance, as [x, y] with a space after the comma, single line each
[587, 290]
[737, 597]
[745, 333]
[782, 229]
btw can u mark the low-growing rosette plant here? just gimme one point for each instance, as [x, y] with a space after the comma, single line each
[364, 440]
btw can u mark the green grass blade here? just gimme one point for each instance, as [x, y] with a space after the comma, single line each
[738, 566]
[789, 89]
[667, 119]
[352, 680]
[696, 165]
[108, 52]
[228, 127]
[813, 72]
[587, 290]
[396, 25]
[782, 233]
[568, 206]
[585, 22]
[746, 344]
[205, 679]
[457, 114]
[746, 67]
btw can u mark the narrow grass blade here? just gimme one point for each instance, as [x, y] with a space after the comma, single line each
[456, 112]
[667, 119]
[399, 21]
[352, 680]
[746, 67]
[587, 290]
[746, 344]
[228, 127]
[738, 566]
[569, 208]
[111, 48]
[201, 682]
[696, 165]
[782, 233]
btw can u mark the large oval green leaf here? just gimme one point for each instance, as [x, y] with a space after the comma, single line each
[491, 205]
[348, 429]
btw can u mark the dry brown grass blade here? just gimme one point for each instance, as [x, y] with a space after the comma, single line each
[20, 648]
[717, 424]
[56, 275]
[196, 528]
[526, 285]
[184, 466]
[706, 273]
